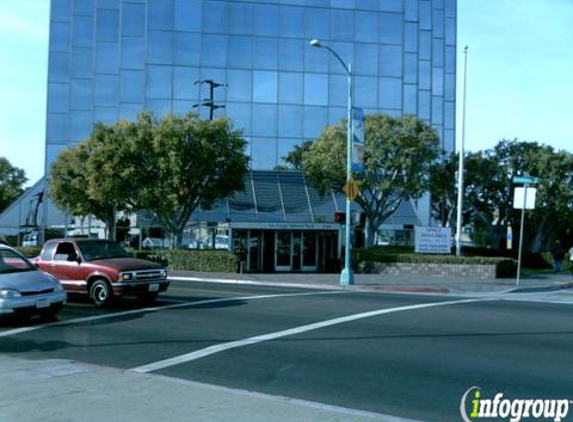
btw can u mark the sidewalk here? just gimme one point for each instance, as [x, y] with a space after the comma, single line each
[61, 390]
[380, 282]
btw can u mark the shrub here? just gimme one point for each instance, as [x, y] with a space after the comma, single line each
[505, 267]
[30, 251]
[150, 255]
[207, 260]
[12, 240]
[533, 260]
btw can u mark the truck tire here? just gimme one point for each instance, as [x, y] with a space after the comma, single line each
[101, 293]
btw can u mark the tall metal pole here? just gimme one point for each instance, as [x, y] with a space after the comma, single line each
[521, 235]
[461, 163]
[347, 275]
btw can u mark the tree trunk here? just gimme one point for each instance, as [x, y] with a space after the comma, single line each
[177, 238]
[537, 241]
[368, 234]
[542, 230]
[111, 225]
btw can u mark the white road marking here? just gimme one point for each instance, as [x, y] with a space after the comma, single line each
[185, 304]
[198, 354]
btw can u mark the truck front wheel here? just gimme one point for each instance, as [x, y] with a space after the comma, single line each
[100, 293]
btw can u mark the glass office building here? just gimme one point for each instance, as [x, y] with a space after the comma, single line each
[110, 59]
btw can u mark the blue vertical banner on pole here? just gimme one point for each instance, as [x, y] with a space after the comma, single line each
[358, 140]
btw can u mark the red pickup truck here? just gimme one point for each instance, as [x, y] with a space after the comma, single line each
[102, 269]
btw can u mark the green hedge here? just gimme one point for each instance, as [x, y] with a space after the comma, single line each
[217, 261]
[532, 260]
[29, 251]
[505, 267]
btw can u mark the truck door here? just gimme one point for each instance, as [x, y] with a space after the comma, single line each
[64, 266]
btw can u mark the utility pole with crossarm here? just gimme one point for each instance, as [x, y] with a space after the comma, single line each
[210, 102]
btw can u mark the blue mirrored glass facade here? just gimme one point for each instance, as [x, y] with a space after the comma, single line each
[111, 59]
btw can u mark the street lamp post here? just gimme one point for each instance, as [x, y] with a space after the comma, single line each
[346, 276]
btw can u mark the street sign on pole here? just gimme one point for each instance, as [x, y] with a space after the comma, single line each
[523, 199]
[351, 189]
[526, 180]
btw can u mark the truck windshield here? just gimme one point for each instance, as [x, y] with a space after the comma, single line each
[102, 250]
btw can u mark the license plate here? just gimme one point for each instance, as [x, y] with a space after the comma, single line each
[154, 287]
[43, 303]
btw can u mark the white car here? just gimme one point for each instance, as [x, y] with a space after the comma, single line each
[25, 290]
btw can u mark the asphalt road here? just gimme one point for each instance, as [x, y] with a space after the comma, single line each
[410, 356]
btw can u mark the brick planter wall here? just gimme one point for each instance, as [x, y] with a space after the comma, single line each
[436, 270]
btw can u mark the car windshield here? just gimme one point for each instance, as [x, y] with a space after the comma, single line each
[102, 250]
[12, 262]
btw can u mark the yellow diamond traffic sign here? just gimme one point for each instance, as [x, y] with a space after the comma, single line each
[351, 189]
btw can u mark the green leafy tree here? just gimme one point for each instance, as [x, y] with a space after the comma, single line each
[295, 158]
[397, 160]
[553, 212]
[176, 164]
[487, 196]
[443, 189]
[122, 229]
[489, 192]
[69, 184]
[168, 166]
[108, 167]
[553, 216]
[483, 192]
[12, 181]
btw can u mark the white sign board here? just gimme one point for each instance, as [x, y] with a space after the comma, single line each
[519, 198]
[433, 240]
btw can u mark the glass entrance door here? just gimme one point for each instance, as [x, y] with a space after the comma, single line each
[283, 248]
[296, 250]
[309, 251]
[255, 250]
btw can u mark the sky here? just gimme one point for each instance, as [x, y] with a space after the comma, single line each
[518, 86]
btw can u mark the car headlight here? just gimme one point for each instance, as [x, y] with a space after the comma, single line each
[58, 287]
[125, 276]
[9, 293]
[163, 274]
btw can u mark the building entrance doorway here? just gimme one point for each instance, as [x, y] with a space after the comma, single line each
[286, 250]
[296, 250]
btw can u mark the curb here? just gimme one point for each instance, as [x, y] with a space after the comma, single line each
[259, 283]
[398, 289]
[320, 286]
[373, 287]
[554, 288]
